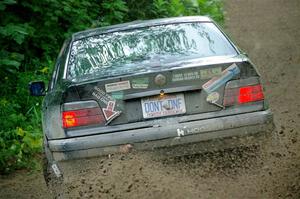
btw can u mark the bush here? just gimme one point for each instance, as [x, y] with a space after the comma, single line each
[31, 34]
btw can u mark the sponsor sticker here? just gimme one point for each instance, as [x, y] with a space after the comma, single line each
[186, 76]
[117, 86]
[101, 95]
[109, 102]
[118, 95]
[216, 82]
[210, 72]
[213, 97]
[109, 112]
[140, 83]
[202, 74]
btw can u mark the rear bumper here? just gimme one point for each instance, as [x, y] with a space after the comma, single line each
[241, 125]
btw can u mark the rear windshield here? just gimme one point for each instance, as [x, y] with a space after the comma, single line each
[144, 49]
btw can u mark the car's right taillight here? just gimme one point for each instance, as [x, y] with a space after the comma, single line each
[82, 113]
[243, 94]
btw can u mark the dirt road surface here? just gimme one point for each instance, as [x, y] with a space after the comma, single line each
[269, 31]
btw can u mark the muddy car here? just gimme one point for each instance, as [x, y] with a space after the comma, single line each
[150, 84]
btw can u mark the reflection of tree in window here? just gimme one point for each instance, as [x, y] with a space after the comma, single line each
[129, 50]
[203, 33]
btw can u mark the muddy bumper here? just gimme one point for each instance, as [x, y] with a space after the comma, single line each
[174, 134]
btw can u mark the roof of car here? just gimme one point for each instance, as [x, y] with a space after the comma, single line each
[139, 24]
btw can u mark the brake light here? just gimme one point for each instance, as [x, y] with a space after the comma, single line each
[69, 119]
[242, 95]
[250, 94]
[76, 115]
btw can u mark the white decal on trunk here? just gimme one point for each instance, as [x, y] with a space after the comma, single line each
[117, 86]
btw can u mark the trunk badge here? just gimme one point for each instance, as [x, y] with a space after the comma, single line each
[160, 80]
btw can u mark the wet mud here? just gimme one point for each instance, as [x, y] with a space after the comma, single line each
[269, 31]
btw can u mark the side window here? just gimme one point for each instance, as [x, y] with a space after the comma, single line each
[57, 66]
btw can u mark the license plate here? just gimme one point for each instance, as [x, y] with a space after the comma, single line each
[160, 106]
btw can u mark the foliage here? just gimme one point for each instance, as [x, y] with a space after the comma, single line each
[31, 33]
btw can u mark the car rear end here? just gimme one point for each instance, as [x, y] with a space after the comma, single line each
[161, 99]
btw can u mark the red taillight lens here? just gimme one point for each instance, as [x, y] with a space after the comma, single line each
[82, 117]
[243, 95]
[250, 94]
[69, 119]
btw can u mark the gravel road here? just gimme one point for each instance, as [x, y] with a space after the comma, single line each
[269, 31]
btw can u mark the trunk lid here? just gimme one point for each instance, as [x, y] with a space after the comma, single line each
[121, 98]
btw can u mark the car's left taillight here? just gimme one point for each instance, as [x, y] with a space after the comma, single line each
[81, 113]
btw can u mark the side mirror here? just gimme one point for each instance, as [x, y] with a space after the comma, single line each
[37, 88]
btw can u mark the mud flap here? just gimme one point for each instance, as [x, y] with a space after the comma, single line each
[53, 178]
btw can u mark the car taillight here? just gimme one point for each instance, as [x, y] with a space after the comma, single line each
[242, 95]
[82, 114]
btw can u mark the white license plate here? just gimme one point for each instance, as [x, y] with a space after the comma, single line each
[160, 106]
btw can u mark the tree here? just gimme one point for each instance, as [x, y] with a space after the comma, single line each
[31, 34]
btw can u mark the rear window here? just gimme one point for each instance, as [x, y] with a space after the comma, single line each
[144, 49]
